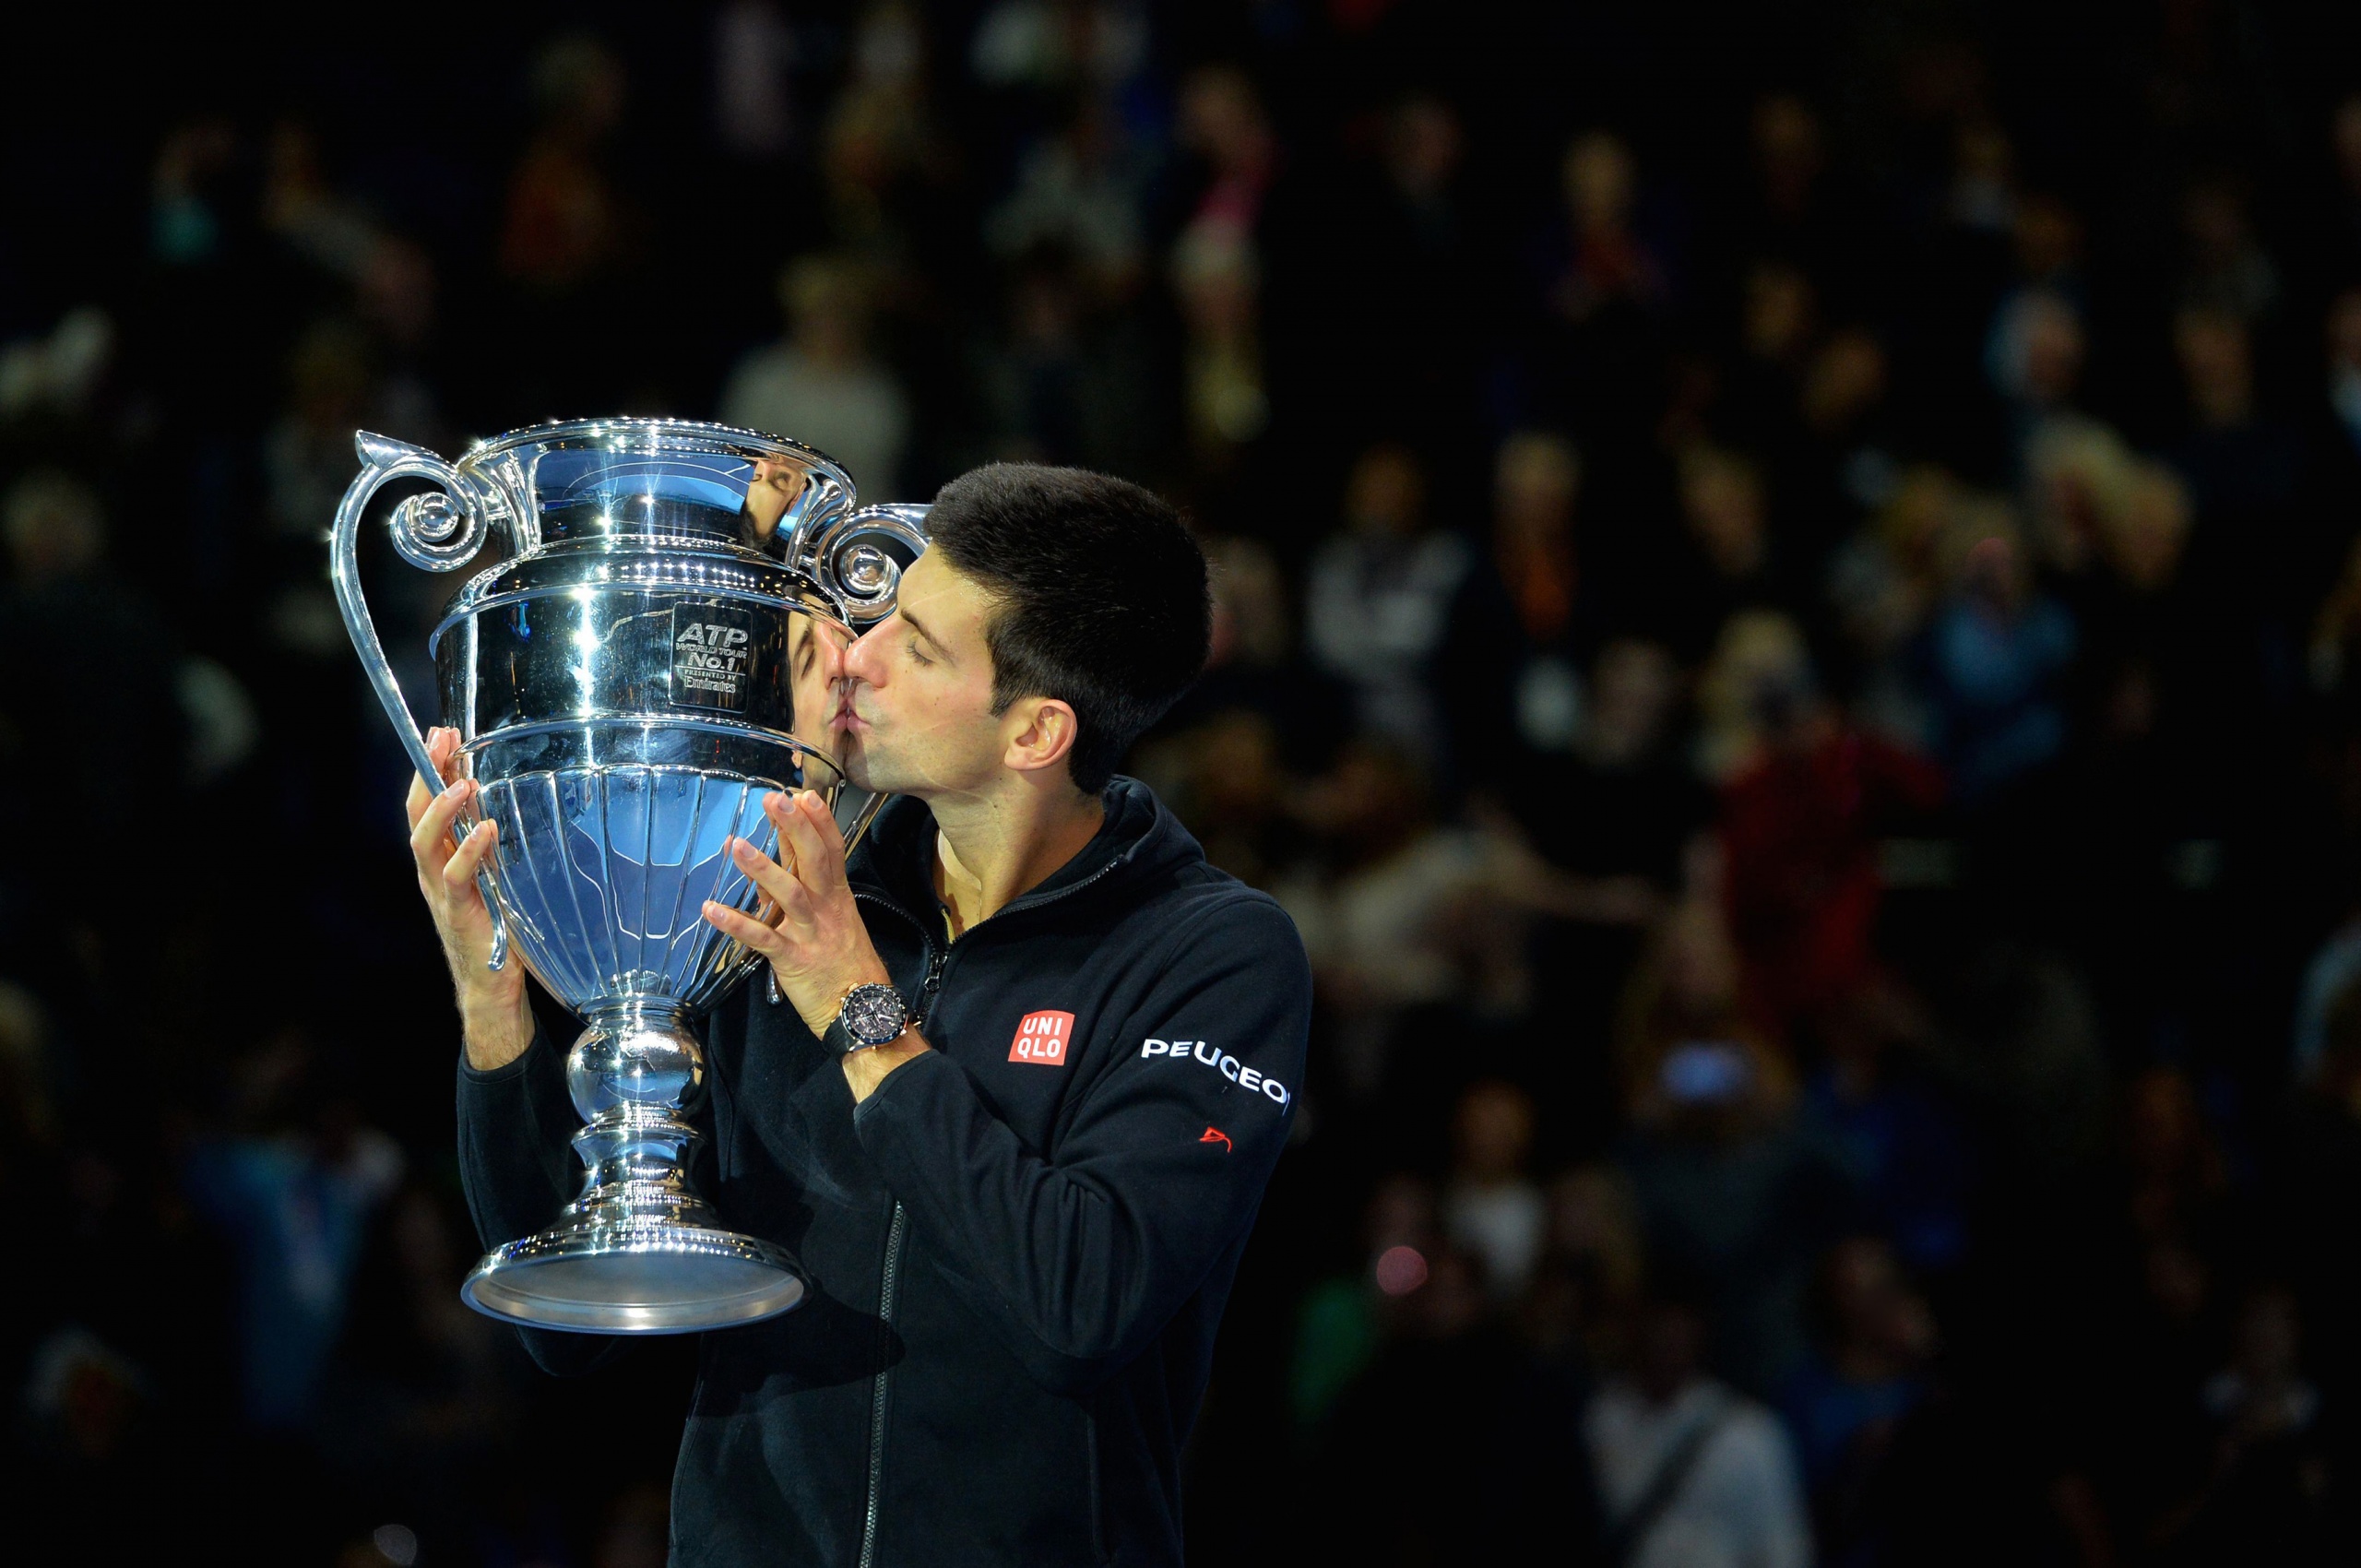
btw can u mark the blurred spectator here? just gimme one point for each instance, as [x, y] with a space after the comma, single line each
[307, 457]
[1730, 566]
[1383, 1491]
[1491, 1206]
[2242, 468]
[636, 1532]
[1218, 287]
[570, 237]
[1413, 914]
[1339, 1325]
[421, 1395]
[1794, 212]
[2047, 249]
[1865, 1376]
[184, 210]
[1222, 121]
[2344, 216]
[1624, 804]
[565, 222]
[1064, 380]
[1578, 1308]
[293, 1191]
[880, 152]
[1535, 482]
[1688, 1470]
[1778, 322]
[1906, 1146]
[1079, 189]
[59, 373]
[29, 1108]
[1380, 600]
[755, 53]
[822, 385]
[1883, 584]
[1090, 46]
[1994, 656]
[331, 231]
[1404, 291]
[1759, 673]
[2265, 1487]
[94, 665]
[1734, 1190]
[1801, 817]
[1606, 263]
[2344, 363]
[2034, 358]
[1984, 191]
[2226, 268]
[2319, 1172]
[91, 1456]
[1602, 289]
[1217, 273]
[2333, 970]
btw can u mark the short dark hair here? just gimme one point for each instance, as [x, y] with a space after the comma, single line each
[1100, 598]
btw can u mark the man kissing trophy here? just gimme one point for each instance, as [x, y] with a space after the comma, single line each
[655, 655]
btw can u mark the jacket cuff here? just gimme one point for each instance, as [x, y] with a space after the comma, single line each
[507, 1071]
[897, 1088]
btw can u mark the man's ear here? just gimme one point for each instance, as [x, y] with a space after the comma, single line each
[1044, 735]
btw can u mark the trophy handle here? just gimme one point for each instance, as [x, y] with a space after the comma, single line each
[436, 531]
[859, 557]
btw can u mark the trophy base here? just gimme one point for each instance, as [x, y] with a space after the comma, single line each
[650, 1277]
[638, 1252]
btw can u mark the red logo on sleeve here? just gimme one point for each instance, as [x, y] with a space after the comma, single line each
[1215, 1135]
[1042, 1037]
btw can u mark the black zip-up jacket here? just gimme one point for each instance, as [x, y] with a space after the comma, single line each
[1017, 1254]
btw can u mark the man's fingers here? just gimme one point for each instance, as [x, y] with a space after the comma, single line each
[778, 884]
[809, 833]
[749, 931]
[442, 750]
[430, 836]
[459, 870]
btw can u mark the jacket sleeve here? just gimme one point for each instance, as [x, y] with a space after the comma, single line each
[518, 1167]
[1088, 1253]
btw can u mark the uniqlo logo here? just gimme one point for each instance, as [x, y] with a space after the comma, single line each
[1042, 1037]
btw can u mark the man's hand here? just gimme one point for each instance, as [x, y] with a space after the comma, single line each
[493, 1010]
[817, 948]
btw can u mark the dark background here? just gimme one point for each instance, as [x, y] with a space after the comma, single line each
[1787, 611]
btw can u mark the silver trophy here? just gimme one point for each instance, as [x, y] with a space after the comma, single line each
[658, 649]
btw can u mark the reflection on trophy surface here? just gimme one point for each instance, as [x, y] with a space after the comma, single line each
[661, 649]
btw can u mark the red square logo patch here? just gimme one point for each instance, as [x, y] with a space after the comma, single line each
[1042, 1037]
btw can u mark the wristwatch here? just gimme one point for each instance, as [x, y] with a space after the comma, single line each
[870, 1015]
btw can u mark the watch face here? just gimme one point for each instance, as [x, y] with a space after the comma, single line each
[874, 1014]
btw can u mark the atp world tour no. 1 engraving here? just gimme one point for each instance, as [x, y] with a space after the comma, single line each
[713, 655]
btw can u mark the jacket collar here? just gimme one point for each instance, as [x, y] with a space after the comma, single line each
[895, 860]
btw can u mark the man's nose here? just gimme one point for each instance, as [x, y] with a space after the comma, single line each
[860, 657]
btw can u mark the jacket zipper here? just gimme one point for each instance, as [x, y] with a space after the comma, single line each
[897, 1228]
[877, 1397]
[894, 1231]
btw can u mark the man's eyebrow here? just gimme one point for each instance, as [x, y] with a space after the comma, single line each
[914, 623]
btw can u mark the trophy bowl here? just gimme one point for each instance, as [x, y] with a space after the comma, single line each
[659, 648]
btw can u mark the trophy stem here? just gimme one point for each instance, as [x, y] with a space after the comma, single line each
[638, 1252]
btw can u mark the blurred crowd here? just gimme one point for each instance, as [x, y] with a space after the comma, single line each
[1788, 629]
